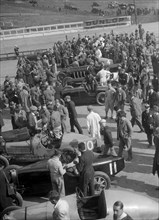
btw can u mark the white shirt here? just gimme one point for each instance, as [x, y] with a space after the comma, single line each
[61, 210]
[104, 75]
[93, 124]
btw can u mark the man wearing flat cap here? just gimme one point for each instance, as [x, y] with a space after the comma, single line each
[146, 123]
[32, 121]
[152, 97]
[107, 137]
[125, 134]
[72, 115]
[85, 168]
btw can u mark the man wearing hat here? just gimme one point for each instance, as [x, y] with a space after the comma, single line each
[120, 98]
[85, 168]
[136, 112]
[32, 121]
[107, 137]
[125, 133]
[152, 97]
[146, 123]
[93, 120]
[72, 115]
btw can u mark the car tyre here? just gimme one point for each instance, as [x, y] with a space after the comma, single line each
[101, 181]
[3, 161]
[7, 211]
[66, 80]
[100, 98]
[60, 77]
[17, 199]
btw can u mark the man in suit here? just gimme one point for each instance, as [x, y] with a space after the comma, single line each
[107, 137]
[136, 112]
[72, 115]
[125, 133]
[147, 118]
[2, 106]
[152, 97]
[120, 98]
[32, 121]
[119, 213]
[85, 168]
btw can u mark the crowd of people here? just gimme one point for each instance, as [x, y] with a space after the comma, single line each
[34, 99]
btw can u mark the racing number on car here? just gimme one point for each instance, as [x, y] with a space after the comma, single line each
[90, 145]
[112, 168]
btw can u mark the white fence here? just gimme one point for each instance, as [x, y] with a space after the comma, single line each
[40, 30]
[63, 28]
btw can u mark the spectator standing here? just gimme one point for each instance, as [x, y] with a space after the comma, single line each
[61, 207]
[93, 120]
[146, 123]
[156, 156]
[35, 95]
[136, 112]
[57, 171]
[55, 123]
[5, 200]
[125, 134]
[104, 75]
[20, 117]
[63, 112]
[33, 121]
[109, 99]
[72, 115]
[85, 168]
[120, 98]
[25, 99]
[2, 106]
[152, 97]
[119, 214]
[107, 137]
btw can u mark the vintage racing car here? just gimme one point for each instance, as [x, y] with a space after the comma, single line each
[34, 179]
[18, 148]
[77, 94]
[98, 207]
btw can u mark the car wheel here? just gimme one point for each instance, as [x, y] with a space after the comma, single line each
[17, 199]
[6, 212]
[66, 80]
[101, 181]
[100, 98]
[3, 161]
[60, 77]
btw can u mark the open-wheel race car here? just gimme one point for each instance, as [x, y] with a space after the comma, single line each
[98, 207]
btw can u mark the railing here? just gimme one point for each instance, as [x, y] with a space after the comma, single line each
[65, 27]
[39, 30]
[12, 56]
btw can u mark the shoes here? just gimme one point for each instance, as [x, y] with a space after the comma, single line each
[128, 159]
[113, 153]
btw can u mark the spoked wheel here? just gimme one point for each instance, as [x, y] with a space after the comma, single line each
[100, 98]
[101, 181]
[5, 214]
[3, 162]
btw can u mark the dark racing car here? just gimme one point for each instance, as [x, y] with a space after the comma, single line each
[34, 179]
